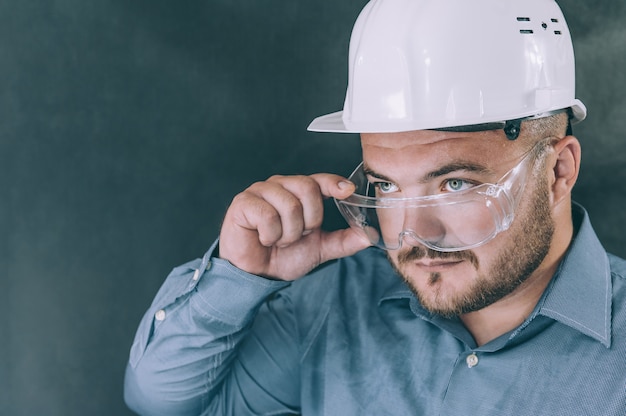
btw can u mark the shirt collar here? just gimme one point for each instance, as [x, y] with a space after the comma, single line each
[580, 293]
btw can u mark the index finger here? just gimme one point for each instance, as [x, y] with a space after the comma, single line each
[311, 190]
[334, 186]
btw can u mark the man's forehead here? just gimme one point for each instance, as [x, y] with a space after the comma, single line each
[439, 145]
[432, 137]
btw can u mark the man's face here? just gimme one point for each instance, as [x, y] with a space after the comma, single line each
[455, 283]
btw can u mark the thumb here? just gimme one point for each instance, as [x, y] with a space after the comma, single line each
[342, 243]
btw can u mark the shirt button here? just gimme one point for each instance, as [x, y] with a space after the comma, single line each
[196, 274]
[471, 360]
[159, 315]
[208, 265]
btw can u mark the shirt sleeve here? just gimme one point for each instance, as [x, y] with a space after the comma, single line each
[197, 351]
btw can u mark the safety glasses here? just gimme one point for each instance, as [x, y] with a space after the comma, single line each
[450, 221]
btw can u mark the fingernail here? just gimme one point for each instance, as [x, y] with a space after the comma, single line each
[306, 232]
[344, 185]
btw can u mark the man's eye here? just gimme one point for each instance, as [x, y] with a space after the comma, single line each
[456, 185]
[386, 187]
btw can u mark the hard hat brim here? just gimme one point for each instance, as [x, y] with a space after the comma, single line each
[333, 122]
[330, 123]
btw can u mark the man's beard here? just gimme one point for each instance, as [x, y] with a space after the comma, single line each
[528, 243]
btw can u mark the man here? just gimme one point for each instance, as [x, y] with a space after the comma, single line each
[468, 282]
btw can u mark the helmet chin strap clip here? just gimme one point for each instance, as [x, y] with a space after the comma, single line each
[512, 128]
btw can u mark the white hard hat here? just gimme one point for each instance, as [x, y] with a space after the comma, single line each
[441, 64]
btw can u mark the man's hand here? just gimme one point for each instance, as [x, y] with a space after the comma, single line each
[272, 229]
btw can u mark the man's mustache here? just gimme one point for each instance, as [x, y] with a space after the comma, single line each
[416, 253]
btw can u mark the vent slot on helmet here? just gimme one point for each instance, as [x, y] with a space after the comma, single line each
[544, 25]
[525, 31]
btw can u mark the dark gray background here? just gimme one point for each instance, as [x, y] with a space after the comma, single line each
[127, 126]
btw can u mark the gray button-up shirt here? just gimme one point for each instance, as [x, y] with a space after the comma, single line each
[351, 339]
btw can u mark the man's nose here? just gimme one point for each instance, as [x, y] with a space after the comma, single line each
[423, 226]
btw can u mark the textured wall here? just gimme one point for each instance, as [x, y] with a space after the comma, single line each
[127, 127]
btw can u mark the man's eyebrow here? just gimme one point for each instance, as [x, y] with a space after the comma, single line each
[457, 167]
[370, 172]
[443, 170]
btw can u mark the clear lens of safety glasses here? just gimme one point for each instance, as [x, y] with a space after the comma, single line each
[446, 222]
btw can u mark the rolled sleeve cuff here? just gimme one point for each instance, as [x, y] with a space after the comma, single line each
[232, 295]
[210, 288]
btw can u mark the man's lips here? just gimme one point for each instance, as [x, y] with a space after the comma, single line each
[433, 261]
[437, 265]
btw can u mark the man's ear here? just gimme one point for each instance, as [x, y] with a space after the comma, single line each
[565, 168]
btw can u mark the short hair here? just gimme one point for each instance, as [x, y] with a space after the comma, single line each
[555, 125]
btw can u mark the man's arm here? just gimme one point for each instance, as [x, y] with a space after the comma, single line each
[183, 360]
[194, 350]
